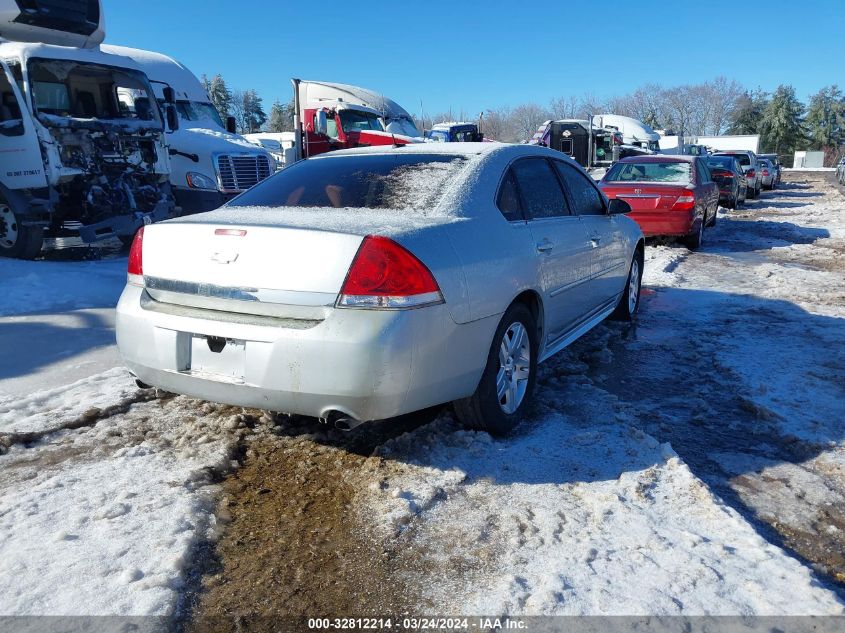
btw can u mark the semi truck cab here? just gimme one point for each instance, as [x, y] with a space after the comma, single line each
[209, 164]
[82, 147]
[454, 132]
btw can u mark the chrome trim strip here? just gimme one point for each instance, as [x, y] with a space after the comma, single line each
[242, 294]
[206, 314]
[566, 287]
[607, 270]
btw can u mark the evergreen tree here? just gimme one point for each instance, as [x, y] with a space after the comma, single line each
[254, 115]
[281, 117]
[747, 114]
[826, 118]
[781, 129]
[221, 96]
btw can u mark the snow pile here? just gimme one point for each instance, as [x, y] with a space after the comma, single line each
[103, 519]
[56, 408]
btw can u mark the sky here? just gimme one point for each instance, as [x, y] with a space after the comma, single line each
[436, 56]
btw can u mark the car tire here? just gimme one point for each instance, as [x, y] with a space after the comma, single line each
[629, 302]
[694, 240]
[712, 222]
[503, 393]
[17, 240]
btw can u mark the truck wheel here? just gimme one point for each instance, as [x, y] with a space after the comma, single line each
[507, 384]
[17, 240]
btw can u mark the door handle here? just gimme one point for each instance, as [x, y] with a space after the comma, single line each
[545, 246]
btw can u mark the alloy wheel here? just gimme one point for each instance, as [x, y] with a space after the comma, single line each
[634, 286]
[514, 368]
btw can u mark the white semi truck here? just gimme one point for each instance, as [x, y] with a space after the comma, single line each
[210, 164]
[82, 138]
[634, 132]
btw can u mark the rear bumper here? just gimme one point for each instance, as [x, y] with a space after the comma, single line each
[367, 364]
[668, 223]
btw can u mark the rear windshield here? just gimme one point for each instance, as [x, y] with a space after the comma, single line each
[378, 181]
[725, 162]
[649, 172]
[742, 158]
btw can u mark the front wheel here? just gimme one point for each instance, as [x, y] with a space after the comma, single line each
[629, 302]
[18, 240]
[507, 383]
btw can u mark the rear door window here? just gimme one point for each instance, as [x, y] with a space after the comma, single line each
[585, 195]
[508, 198]
[540, 190]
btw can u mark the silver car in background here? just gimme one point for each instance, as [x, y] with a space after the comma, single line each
[774, 159]
[369, 283]
[768, 173]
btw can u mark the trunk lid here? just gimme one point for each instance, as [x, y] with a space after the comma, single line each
[288, 263]
[646, 196]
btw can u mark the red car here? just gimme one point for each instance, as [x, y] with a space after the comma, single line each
[669, 195]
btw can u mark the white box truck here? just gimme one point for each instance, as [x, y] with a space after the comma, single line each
[82, 138]
[210, 164]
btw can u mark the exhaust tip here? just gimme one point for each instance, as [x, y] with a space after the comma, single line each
[341, 421]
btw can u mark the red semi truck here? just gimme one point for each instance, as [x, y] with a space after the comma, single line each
[331, 116]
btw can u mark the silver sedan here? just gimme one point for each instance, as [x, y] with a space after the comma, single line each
[369, 283]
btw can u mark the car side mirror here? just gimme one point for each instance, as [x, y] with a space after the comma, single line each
[618, 207]
[172, 117]
[231, 125]
[169, 95]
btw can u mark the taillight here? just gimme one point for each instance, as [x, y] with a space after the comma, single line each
[750, 173]
[765, 172]
[684, 203]
[384, 275]
[136, 260]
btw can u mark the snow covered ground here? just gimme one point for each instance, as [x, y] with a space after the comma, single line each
[589, 510]
[57, 318]
[690, 464]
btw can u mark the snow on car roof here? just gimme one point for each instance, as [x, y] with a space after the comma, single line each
[454, 149]
[447, 124]
[659, 158]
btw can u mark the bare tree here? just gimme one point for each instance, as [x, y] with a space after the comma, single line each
[564, 107]
[498, 125]
[591, 104]
[527, 118]
[722, 96]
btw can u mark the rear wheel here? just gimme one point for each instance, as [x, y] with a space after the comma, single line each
[694, 239]
[507, 384]
[629, 302]
[18, 240]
